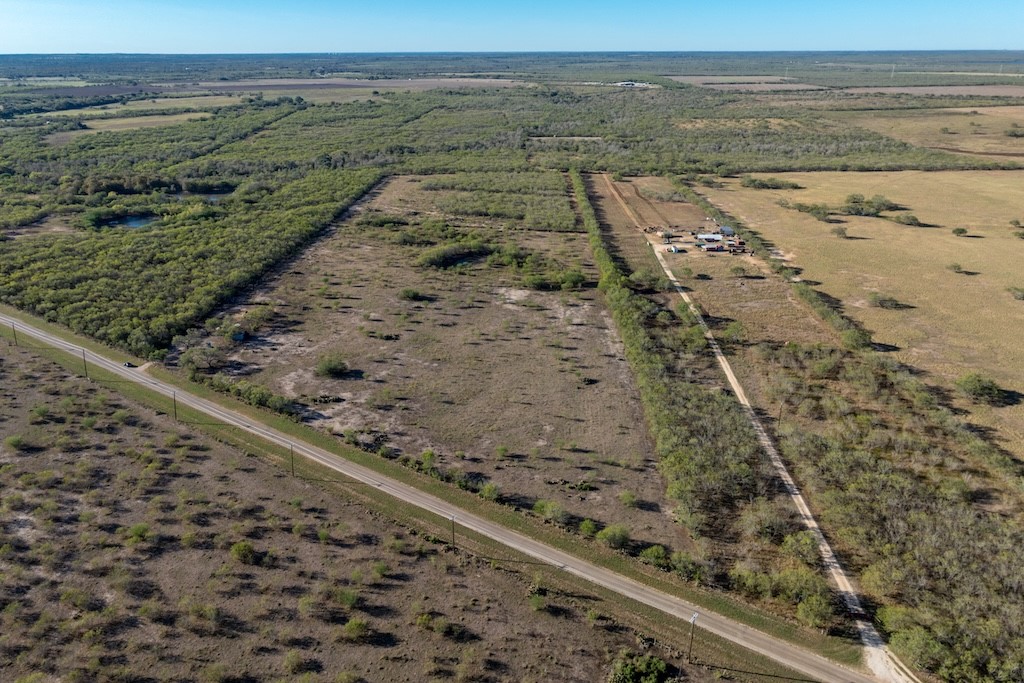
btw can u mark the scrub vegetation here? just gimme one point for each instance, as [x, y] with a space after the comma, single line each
[448, 273]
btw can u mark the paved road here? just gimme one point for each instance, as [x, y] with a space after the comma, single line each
[790, 655]
[880, 660]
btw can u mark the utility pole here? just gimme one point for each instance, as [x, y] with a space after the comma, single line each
[291, 450]
[453, 531]
[174, 402]
[15, 331]
[689, 650]
[85, 365]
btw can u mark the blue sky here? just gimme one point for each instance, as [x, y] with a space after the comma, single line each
[191, 26]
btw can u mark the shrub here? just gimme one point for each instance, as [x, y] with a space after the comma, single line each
[768, 183]
[16, 443]
[616, 536]
[687, 567]
[410, 294]
[551, 511]
[815, 611]
[573, 279]
[244, 552]
[137, 533]
[588, 527]
[630, 668]
[332, 365]
[490, 491]
[801, 546]
[448, 255]
[355, 630]
[880, 301]
[959, 232]
[293, 662]
[981, 389]
[1017, 292]
[908, 219]
[840, 232]
[628, 498]
[655, 555]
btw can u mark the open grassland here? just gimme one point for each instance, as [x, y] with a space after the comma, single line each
[988, 131]
[949, 323]
[120, 527]
[122, 124]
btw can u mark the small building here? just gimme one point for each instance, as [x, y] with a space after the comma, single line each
[727, 231]
[710, 237]
[714, 246]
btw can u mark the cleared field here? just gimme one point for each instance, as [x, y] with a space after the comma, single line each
[130, 123]
[380, 83]
[746, 83]
[968, 90]
[949, 323]
[981, 130]
[502, 383]
[764, 87]
[132, 543]
[127, 123]
[49, 226]
[147, 105]
[702, 80]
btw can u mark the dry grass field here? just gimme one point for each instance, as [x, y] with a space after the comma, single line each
[965, 90]
[524, 388]
[198, 101]
[980, 131]
[132, 547]
[746, 83]
[949, 323]
[126, 123]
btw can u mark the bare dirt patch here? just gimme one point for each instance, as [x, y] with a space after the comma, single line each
[524, 388]
[49, 226]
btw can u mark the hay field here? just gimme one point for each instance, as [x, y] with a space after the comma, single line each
[956, 322]
[121, 124]
[966, 130]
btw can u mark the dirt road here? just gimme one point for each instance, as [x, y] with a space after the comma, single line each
[879, 659]
[789, 655]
